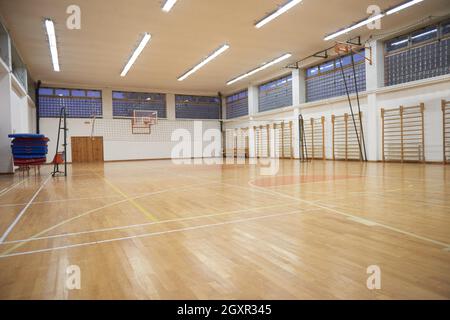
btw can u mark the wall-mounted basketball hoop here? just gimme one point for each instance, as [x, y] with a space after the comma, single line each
[143, 120]
[339, 48]
[344, 48]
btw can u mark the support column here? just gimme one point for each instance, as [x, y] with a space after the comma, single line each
[371, 118]
[107, 103]
[253, 99]
[298, 87]
[224, 108]
[298, 97]
[170, 105]
[6, 165]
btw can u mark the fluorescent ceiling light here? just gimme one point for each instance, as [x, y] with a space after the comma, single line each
[353, 27]
[277, 13]
[264, 66]
[50, 27]
[369, 20]
[168, 5]
[136, 53]
[212, 56]
[403, 6]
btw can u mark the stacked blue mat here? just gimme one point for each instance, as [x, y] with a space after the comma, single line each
[29, 148]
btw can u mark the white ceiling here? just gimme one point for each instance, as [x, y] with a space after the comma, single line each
[95, 55]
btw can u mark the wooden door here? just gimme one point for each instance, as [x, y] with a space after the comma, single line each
[87, 149]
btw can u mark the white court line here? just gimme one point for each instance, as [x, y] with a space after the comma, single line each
[436, 242]
[363, 221]
[86, 198]
[150, 234]
[113, 204]
[145, 224]
[58, 200]
[251, 181]
[395, 178]
[354, 194]
[6, 190]
[350, 216]
[19, 216]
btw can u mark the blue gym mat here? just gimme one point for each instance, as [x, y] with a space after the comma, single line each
[26, 135]
[29, 156]
[29, 149]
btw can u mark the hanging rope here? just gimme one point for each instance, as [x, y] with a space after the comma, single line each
[359, 109]
[302, 139]
[351, 107]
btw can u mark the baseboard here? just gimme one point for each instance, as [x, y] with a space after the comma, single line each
[435, 162]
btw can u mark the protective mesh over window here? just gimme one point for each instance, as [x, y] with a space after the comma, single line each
[275, 94]
[422, 54]
[197, 107]
[325, 81]
[79, 103]
[237, 105]
[4, 45]
[124, 103]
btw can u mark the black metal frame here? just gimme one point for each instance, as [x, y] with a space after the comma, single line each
[361, 142]
[62, 118]
[38, 117]
[303, 148]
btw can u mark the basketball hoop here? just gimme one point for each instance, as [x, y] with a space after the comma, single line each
[342, 48]
[143, 120]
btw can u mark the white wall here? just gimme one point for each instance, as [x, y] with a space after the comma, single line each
[121, 144]
[431, 94]
[17, 112]
[23, 113]
[5, 123]
[429, 91]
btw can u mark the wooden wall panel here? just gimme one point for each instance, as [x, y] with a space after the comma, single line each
[87, 149]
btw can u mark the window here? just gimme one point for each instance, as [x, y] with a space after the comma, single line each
[424, 35]
[327, 67]
[197, 107]
[62, 92]
[326, 81]
[446, 27]
[17, 66]
[421, 54]
[4, 44]
[237, 104]
[346, 61]
[31, 88]
[79, 103]
[312, 71]
[124, 103]
[397, 43]
[275, 94]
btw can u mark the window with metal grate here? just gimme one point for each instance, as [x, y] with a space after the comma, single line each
[237, 104]
[79, 103]
[275, 94]
[197, 107]
[124, 103]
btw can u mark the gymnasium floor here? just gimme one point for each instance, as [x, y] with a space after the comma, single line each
[156, 230]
